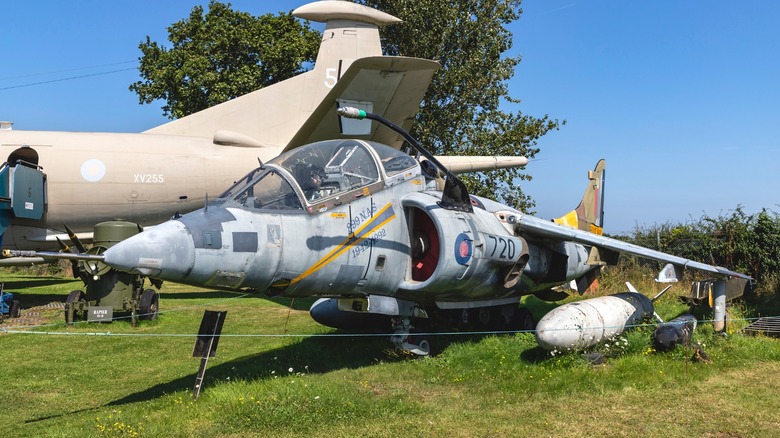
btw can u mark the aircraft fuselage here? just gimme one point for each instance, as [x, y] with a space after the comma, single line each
[144, 178]
[371, 228]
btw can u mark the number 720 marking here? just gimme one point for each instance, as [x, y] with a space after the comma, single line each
[501, 248]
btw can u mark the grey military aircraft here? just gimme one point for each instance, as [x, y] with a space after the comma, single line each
[82, 178]
[366, 227]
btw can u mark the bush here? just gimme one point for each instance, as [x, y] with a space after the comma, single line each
[737, 241]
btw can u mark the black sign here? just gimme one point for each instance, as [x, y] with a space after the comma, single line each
[208, 335]
[206, 344]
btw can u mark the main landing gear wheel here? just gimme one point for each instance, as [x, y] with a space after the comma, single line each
[148, 307]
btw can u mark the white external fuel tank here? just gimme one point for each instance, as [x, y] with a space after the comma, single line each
[579, 325]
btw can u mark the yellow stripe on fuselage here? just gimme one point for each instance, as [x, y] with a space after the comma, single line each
[352, 240]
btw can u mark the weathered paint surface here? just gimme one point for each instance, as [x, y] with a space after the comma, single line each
[578, 325]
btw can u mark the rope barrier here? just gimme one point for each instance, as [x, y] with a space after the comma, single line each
[330, 335]
[139, 315]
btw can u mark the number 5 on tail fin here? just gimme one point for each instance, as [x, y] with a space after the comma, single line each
[589, 215]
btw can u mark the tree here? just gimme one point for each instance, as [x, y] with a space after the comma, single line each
[225, 54]
[220, 55]
[461, 113]
[765, 244]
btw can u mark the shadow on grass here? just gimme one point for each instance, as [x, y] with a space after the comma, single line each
[535, 355]
[20, 284]
[317, 355]
[33, 300]
[198, 295]
[21, 290]
[311, 356]
[763, 307]
[295, 303]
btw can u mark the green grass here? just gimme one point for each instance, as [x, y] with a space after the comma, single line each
[96, 381]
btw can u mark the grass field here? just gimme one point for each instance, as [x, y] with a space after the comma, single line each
[116, 380]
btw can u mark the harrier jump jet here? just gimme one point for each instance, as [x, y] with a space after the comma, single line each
[365, 226]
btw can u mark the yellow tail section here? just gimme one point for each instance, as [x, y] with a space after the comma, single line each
[589, 215]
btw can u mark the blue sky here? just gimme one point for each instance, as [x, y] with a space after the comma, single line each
[681, 97]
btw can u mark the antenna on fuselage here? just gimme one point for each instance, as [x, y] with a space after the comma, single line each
[455, 195]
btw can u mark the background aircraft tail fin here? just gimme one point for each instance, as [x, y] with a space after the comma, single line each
[272, 115]
[589, 215]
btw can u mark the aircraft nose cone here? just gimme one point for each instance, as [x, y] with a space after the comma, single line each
[166, 252]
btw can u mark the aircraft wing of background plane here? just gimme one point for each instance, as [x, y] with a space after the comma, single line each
[551, 230]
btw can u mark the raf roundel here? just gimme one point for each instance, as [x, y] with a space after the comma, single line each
[463, 249]
[93, 170]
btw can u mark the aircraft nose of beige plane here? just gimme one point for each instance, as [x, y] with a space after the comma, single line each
[166, 252]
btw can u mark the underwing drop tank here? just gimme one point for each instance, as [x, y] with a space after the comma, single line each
[579, 325]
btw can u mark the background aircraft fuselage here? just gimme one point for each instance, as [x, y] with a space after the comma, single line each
[145, 178]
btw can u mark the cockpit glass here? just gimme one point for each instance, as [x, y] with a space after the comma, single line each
[242, 183]
[329, 168]
[271, 191]
[393, 160]
[321, 170]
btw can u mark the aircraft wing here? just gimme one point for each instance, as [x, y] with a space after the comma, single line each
[391, 86]
[538, 227]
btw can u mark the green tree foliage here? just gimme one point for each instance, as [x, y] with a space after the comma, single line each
[461, 113]
[738, 241]
[220, 55]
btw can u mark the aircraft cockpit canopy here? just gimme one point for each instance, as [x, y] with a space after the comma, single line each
[327, 170]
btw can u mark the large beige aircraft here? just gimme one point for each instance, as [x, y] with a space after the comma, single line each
[147, 177]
